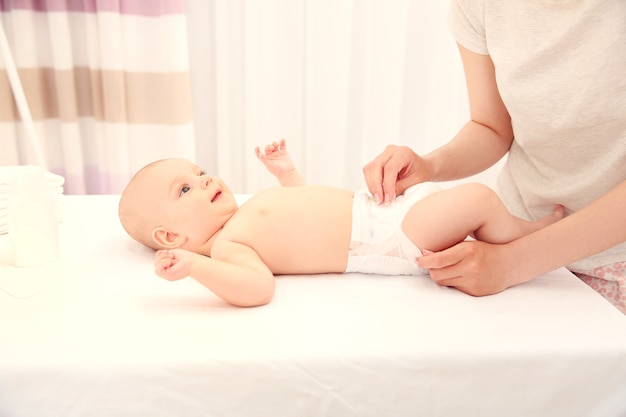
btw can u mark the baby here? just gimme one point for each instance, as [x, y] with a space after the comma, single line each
[198, 229]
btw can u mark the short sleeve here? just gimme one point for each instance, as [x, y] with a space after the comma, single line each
[466, 22]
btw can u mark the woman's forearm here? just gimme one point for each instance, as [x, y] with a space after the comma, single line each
[593, 229]
[475, 148]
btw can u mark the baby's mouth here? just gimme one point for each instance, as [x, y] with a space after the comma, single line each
[216, 196]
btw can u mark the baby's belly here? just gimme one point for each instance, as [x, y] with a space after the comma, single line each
[324, 252]
[303, 231]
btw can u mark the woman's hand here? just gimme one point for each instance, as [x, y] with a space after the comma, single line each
[473, 267]
[393, 171]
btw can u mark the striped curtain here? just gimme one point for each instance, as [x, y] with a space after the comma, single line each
[106, 83]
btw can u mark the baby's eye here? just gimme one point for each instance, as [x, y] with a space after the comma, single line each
[184, 189]
[201, 173]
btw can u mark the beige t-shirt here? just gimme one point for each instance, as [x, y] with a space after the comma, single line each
[561, 71]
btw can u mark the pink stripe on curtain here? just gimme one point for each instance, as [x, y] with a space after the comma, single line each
[130, 7]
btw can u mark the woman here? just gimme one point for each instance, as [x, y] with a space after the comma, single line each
[545, 81]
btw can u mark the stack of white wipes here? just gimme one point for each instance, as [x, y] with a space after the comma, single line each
[55, 183]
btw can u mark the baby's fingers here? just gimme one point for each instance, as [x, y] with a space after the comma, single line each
[271, 148]
[259, 154]
[164, 258]
[276, 147]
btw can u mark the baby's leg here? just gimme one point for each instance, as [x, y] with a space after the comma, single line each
[447, 217]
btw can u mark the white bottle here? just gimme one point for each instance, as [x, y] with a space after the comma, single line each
[32, 218]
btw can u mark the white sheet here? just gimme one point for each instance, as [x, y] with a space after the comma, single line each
[98, 334]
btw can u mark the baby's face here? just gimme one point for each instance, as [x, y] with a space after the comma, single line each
[187, 201]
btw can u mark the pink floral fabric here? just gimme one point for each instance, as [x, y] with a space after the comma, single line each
[609, 281]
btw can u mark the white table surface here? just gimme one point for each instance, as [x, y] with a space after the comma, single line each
[96, 333]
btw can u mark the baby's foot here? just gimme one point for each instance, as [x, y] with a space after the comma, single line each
[555, 216]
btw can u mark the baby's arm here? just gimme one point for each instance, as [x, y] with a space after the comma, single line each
[278, 162]
[242, 279]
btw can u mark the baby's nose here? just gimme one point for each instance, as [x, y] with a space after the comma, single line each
[206, 181]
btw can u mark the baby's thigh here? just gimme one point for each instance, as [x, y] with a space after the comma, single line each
[444, 218]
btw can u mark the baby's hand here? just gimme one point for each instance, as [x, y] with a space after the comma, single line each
[173, 264]
[276, 159]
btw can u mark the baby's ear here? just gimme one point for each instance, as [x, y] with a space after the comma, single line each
[167, 239]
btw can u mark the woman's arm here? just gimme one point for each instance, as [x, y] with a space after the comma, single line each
[487, 136]
[478, 145]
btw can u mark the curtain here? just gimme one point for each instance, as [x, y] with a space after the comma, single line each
[106, 83]
[339, 79]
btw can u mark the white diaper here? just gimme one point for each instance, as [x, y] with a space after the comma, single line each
[378, 245]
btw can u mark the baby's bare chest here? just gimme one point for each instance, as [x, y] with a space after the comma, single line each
[296, 222]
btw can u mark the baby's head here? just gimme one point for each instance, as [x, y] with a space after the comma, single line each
[172, 203]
